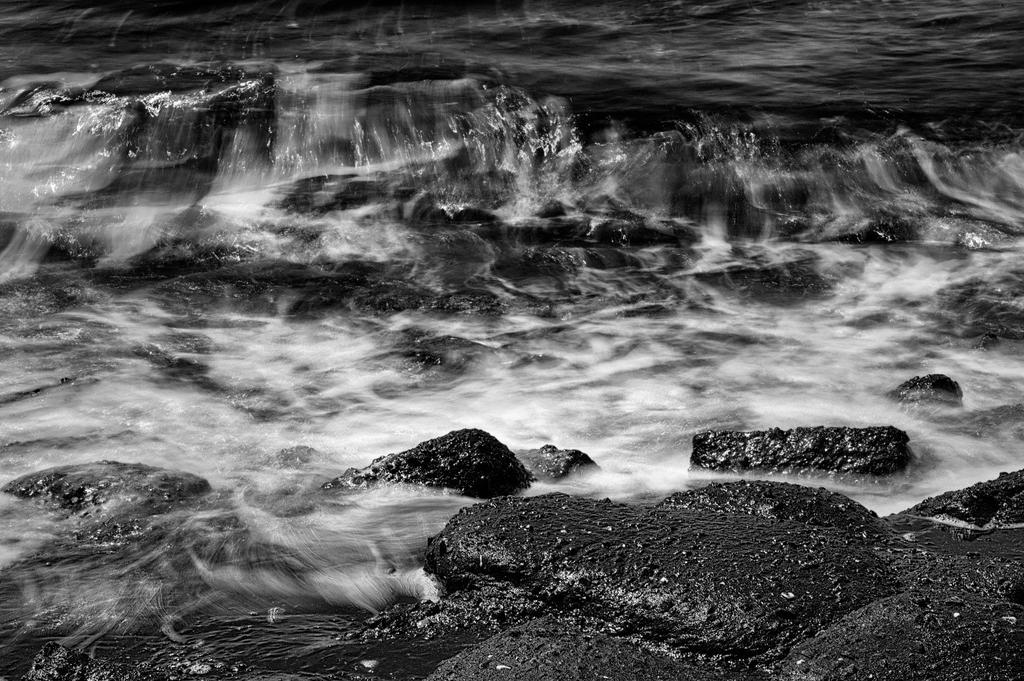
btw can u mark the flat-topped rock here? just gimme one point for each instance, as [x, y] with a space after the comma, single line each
[993, 503]
[813, 506]
[879, 450]
[470, 462]
[709, 586]
[108, 486]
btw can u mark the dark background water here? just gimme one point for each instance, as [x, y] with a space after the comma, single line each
[646, 64]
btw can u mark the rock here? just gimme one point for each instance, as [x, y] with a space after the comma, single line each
[20, 395]
[295, 457]
[164, 77]
[545, 650]
[280, 287]
[175, 125]
[419, 351]
[529, 264]
[322, 194]
[916, 637]
[178, 369]
[1005, 419]
[551, 209]
[879, 450]
[269, 287]
[884, 228]
[109, 487]
[470, 462]
[930, 556]
[707, 586]
[477, 303]
[930, 389]
[985, 306]
[56, 663]
[818, 507]
[989, 504]
[551, 463]
[764, 277]
[427, 210]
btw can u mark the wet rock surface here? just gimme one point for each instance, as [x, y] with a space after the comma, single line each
[109, 486]
[277, 287]
[986, 306]
[547, 650]
[930, 557]
[758, 277]
[419, 351]
[911, 636]
[470, 462]
[1007, 418]
[993, 503]
[722, 587]
[819, 507]
[880, 450]
[930, 389]
[56, 663]
[551, 463]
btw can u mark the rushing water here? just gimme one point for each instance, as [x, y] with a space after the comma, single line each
[229, 229]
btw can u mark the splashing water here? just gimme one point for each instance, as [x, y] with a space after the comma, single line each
[228, 232]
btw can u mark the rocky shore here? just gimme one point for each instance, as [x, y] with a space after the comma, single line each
[737, 580]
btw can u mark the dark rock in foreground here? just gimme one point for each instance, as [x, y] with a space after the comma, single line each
[992, 503]
[782, 500]
[879, 450]
[917, 637]
[83, 488]
[707, 586]
[930, 389]
[545, 650]
[56, 663]
[551, 463]
[470, 462]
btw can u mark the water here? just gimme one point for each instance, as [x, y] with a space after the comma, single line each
[231, 229]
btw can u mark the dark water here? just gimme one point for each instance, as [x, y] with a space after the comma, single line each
[242, 227]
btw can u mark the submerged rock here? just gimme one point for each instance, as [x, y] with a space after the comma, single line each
[917, 637]
[109, 486]
[989, 306]
[322, 194]
[545, 650]
[879, 450]
[272, 287]
[721, 586]
[989, 504]
[57, 663]
[819, 507]
[1006, 418]
[470, 462]
[765, 278]
[551, 463]
[418, 351]
[930, 389]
